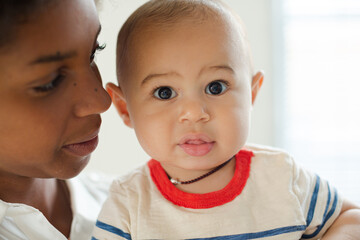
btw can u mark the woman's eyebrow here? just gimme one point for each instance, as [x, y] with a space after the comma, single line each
[58, 56]
[53, 57]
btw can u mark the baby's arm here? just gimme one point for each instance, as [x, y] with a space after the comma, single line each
[114, 220]
[347, 224]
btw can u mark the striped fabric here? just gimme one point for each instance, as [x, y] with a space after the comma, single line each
[278, 200]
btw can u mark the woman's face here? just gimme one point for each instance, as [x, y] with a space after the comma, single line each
[51, 93]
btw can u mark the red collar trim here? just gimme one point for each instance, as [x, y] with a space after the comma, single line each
[207, 200]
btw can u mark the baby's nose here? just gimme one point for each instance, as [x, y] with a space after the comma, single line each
[194, 111]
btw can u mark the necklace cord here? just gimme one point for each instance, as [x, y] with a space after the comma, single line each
[176, 181]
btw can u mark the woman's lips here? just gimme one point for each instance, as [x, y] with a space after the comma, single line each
[196, 145]
[83, 149]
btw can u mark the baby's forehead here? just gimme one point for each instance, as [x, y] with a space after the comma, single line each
[193, 14]
[169, 15]
[229, 30]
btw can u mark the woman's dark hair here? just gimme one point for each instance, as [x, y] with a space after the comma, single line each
[14, 13]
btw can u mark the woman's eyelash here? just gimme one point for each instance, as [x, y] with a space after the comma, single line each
[51, 85]
[98, 48]
[101, 47]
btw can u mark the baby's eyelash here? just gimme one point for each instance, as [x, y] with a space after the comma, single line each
[153, 90]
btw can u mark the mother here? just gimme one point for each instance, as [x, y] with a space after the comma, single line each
[51, 97]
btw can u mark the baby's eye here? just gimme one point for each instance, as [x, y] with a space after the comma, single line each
[216, 87]
[164, 93]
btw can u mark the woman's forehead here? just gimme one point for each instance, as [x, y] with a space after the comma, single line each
[51, 20]
[15, 14]
[57, 33]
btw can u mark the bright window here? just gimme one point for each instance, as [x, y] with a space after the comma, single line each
[321, 89]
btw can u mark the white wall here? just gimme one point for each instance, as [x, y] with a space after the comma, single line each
[118, 150]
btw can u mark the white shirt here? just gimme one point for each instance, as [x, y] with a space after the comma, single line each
[269, 197]
[23, 222]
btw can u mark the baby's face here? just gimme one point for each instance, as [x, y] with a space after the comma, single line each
[188, 94]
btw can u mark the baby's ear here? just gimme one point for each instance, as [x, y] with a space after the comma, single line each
[256, 84]
[119, 102]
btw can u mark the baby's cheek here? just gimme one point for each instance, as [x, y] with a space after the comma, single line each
[152, 137]
[237, 130]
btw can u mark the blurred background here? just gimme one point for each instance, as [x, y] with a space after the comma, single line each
[309, 104]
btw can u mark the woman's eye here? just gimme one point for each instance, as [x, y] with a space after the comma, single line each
[51, 85]
[164, 93]
[216, 87]
[98, 48]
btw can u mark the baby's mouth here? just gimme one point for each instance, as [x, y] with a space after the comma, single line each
[196, 146]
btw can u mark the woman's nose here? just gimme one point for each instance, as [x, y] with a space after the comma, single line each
[92, 97]
[193, 111]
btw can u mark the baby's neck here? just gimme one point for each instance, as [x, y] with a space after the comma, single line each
[214, 182]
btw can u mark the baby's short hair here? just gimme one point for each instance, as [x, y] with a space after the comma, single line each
[165, 13]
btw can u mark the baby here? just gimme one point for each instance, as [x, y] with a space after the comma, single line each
[186, 86]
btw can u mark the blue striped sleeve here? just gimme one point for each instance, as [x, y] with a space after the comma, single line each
[112, 229]
[328, 213]
[258, 235]
[326, 217]
[313, 201]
